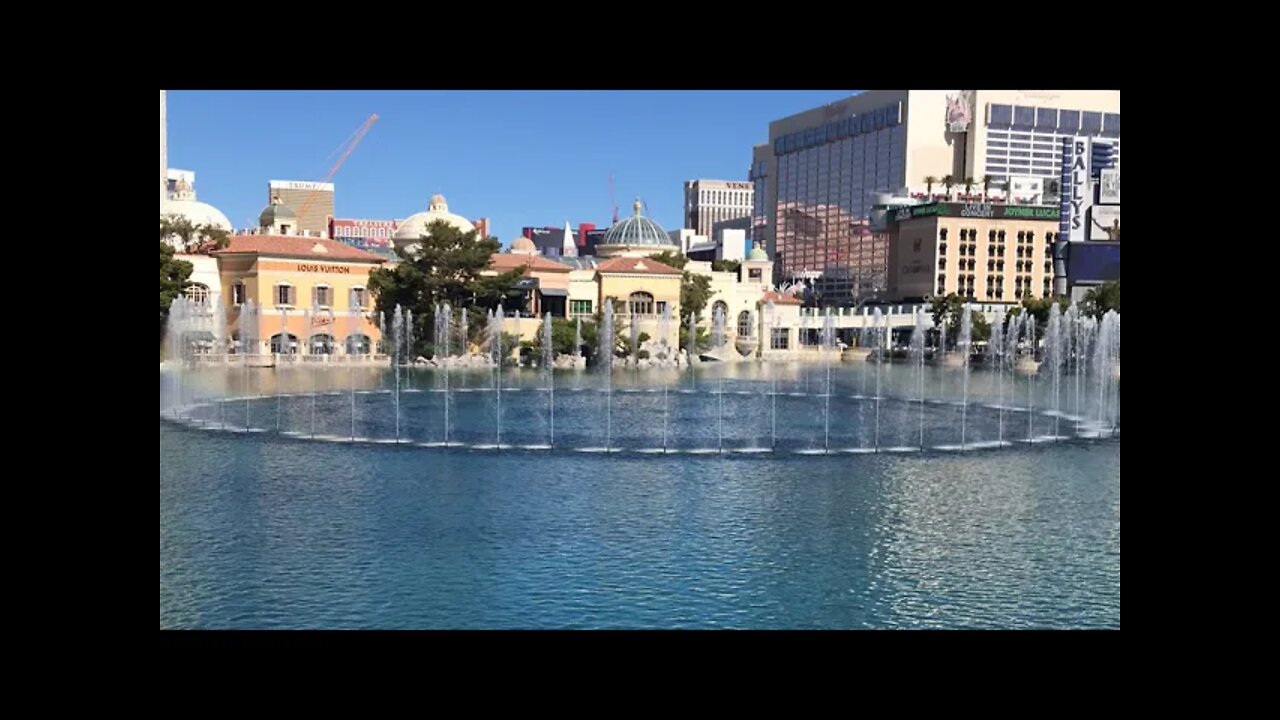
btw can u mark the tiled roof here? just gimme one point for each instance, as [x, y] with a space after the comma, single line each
[506, 262]
[636, 265]
[296, 246]
[779, 298]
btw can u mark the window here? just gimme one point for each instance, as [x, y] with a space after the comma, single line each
[580, 307]
[238, 293]
[320, 344]
[780, 338]
[285, 295]
[196, 292]
[991, 236]
[662, 307]
[322, 296]
[359, 298]
[284, 344]
[755, 273]
[641, 303]
[942, 234]
[744, 324]
[942, 263]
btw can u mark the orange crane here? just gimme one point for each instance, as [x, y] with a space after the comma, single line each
[351, 144]
[613, 200]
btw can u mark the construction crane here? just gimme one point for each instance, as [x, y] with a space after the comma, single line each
[351, 144]
[613, 200]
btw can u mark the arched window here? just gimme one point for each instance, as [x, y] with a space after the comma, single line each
[722, 307]
[744, 324]
[196, 292]
[358, 344]
[641, 303]
[320, 344]
[284, 344]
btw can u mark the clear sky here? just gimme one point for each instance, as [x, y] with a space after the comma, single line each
[518, 157]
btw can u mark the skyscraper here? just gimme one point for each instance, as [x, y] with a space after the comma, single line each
[707, 202]
[823, 168]
[313, 216]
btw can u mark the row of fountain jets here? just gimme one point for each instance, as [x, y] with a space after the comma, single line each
[1075, 347]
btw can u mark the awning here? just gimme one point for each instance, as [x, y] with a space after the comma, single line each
[554, 292]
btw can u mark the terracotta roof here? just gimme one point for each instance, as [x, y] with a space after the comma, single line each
[636, 265]
[296, 246]
[506, 262]
[779, 298]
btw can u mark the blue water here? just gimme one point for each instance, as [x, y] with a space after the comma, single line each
[264, 531]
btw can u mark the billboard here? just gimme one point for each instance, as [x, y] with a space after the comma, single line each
[1109, 190]
[1105, 223]
[1093, 262]
[959, 112]
[1024, 189]
[1051, 191]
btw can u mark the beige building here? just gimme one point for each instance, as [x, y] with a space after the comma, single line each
[936, 250]
[311, 201]
[709, 202]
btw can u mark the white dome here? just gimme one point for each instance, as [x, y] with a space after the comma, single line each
[415, 226]
[196, 212]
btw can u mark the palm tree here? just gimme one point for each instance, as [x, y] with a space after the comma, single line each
[986, 186]
[968, 184]
[929, 181]
[948, 182]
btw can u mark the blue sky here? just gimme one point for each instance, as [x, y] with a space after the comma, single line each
[517, 157]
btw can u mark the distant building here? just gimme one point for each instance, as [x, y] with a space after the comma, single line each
[708, 202]
[311, 201]
[550, 240]
[373, 236]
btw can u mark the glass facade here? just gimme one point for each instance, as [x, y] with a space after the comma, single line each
[826, 178]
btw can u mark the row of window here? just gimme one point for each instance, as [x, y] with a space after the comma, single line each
[877, 119]
[285, 294]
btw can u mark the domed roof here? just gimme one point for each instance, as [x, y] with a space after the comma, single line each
[183, 202]
[757, 253]
[277, 210]
[415, 226]
[523, 246]
[637, 230]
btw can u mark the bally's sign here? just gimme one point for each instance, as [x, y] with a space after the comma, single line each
[1077, 188]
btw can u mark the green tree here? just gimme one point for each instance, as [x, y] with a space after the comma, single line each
[173, 277]
[968, 183]
[950, 309]
[695, 288]
[445, 267]
[1039, 308]
[949, 181]
[732, 266]
[195, 239]
[1102, 298]
[929, 180]
[986, 185]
